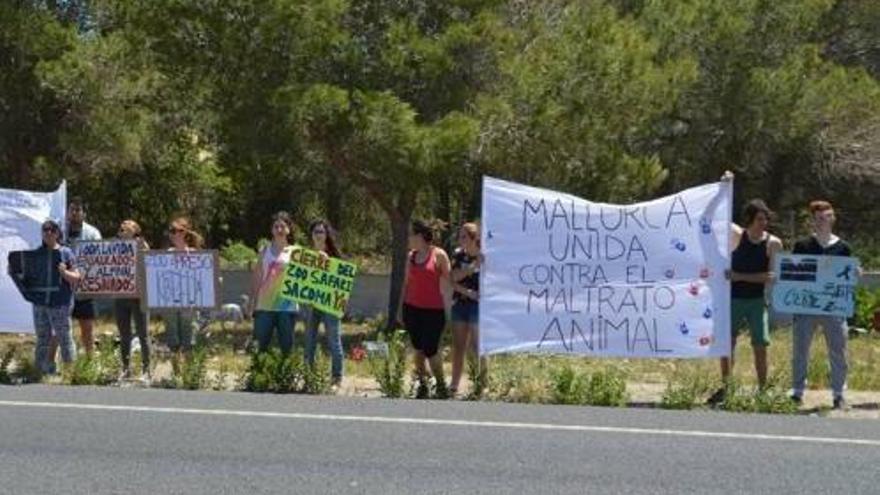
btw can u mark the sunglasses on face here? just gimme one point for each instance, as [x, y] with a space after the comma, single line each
[174, 230]
[50, 230]
[319, 232]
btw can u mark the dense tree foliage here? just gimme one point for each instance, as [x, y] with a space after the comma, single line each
[371, 112]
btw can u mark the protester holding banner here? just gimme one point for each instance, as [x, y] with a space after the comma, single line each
[752, 250]
[273, 314]
[79, 230]
[324, 241]
[52, 319]
[424, 314]
[179, 324]
[465, 276]
[126, 309]
[822, 242]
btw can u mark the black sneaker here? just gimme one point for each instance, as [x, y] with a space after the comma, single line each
[840, 404]
[718, 397]
[796, 399]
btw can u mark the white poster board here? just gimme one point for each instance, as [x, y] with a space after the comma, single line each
[809, 284]
[22, 213]
[566, 275]
[109, 268]
[180, 280]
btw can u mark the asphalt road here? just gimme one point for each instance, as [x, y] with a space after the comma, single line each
[58, 440]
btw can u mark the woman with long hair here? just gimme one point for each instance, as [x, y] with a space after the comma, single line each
[273, 315]
[126, 309]
[466, 262]
[324, 241]
[424, 307]
[179, 325]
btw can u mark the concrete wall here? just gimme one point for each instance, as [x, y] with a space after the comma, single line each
[370, 295]
[368, 299]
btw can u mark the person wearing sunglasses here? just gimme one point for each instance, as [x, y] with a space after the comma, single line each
[324, 241]
[52, 319]
[273, 315]
[127, 309]
[179, 325]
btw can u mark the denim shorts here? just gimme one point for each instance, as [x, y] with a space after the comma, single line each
[466, 312]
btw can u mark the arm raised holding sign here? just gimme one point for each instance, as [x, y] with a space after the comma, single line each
[752, 249]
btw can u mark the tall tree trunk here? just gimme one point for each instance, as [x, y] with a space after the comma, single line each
[400, 220]
[333, 201]
[444, 210]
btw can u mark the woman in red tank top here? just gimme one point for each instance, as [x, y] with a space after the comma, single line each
[424, 313]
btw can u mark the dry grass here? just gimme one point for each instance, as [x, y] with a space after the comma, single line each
[523, 378]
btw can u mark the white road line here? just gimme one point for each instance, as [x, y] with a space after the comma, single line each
[448, 422]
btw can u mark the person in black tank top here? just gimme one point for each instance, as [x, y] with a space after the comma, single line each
[752, 258]
[752, 251]
[466, 263]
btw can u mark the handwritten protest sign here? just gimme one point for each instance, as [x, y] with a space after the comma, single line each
[815, 285]
[21, 214]
[567, 275]
[320, 282]
[109, 268]
[180, 280]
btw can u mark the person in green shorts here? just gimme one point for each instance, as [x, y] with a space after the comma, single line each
[752, 252]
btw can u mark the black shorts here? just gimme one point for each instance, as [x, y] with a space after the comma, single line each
[425, 327]
[83, 309]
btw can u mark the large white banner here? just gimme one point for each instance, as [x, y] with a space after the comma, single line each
[566, 275]
[21, 215]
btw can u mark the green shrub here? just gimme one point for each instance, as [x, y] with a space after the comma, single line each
[271, 371]
[26, 370]
[194, 370]
[389, 370]
[109, 361]
[867, 302]
[818, 369]
[102, 368]
[735, 398]
[685, 391]
[6, 365]
[522, 379]
[772, 399]
[84, 371]
[237, 254]
[479, 376]
[607, 388]
[569, 387]
[258, 377]
[316, 378]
